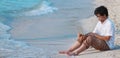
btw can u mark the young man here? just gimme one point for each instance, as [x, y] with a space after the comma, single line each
[102, 38]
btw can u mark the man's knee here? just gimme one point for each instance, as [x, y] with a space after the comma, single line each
[88, 41]
[81, 38]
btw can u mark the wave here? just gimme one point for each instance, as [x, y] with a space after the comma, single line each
[25, 7]
[10, 48]
[16, 49]
[44, 8]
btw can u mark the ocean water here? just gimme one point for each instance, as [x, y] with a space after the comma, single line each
[9, 10]
[57, 25]
[24, 7]
[46, 20]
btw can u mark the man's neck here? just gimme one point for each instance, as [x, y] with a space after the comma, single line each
[103, 20]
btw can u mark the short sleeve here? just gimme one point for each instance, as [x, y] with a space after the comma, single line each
[109, 30]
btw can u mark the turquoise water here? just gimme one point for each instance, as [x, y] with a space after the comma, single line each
[17, 6]
[58, 25]
[27, 22]
[9, 10]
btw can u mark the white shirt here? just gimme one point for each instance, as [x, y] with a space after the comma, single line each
[106, 28]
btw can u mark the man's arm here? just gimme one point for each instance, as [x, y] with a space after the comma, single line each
[106, 38]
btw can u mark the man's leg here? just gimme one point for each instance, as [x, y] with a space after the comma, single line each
[91, 41]
[85, 45]
[76, 45]
[99, 44]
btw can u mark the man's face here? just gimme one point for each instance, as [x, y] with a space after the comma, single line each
[101, 18]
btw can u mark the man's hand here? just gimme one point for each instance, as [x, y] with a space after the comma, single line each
[79, 34]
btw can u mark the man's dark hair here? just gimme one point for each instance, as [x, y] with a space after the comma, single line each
[102, 10]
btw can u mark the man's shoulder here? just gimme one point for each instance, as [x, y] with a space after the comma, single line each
[109, 22]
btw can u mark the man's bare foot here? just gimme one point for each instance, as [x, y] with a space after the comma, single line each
[64, 52]
[72, 54]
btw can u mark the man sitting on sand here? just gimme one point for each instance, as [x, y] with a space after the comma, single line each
[102, 38]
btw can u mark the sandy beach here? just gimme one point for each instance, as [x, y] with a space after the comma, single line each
[69, 10]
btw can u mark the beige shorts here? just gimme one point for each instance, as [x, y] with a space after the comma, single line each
[94, 42]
